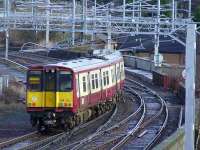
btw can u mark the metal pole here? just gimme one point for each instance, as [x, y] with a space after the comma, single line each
[190, 87]
[140, 9]
[47, 26]
[95, 16]
[7, 43]
[109, 32]
[157, 39]
[190, 8]
[32, 9]
[85, 18]
[7, 8]
[133, 13]
[173, 13]
[35, 24]
[73, 23]
[124, 11]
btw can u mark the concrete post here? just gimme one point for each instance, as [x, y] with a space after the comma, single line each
[190, 87]
[157, 38]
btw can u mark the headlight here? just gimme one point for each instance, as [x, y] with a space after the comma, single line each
[54, 115]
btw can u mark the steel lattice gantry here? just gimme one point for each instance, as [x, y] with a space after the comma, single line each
[89, 17]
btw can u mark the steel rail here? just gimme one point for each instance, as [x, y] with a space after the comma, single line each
[164, 108]
[38, 144]
[34, 57]
[132, 131]
[69, 134]
[153, 141]
[13, 64]
[17, 139]
[137, 129]
[180, 117]
[104, 125]
[116, 126]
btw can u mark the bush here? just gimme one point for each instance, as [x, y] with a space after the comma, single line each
[197, 14]
[9, 96]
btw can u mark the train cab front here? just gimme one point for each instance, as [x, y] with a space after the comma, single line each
[49, 95]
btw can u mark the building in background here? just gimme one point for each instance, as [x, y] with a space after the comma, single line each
[143, 46]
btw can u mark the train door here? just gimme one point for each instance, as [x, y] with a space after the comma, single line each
[64, 92]
[105, 80]
[95, 94]
[122, 75]
[118, 75]
[84, 89]
[89, 88]
[50, 76]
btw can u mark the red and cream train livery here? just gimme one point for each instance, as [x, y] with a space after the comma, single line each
[67, 93]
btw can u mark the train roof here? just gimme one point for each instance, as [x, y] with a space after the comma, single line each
[82, 64]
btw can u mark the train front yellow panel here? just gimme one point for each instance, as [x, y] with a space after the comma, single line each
[64, 99]
[50, 99]
[35, 99]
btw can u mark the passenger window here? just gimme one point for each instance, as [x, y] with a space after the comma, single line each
[104, 78]
[113, 75]
[118, 73]
[96, 79]
[84, 84]
[93, 82]
[122, 70]
[107, 77]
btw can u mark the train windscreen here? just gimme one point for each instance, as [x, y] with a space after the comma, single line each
[50, 80]
[34, 80]
[65, 81]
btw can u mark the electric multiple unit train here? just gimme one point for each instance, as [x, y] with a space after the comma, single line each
[66, 94]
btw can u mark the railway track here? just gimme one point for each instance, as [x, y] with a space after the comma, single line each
[14, 141]
[30, 141]
[27, 59]
[49, 141]
[35, 140]
[139, 130]
[123, 115]
[122, 111]
[154, 123]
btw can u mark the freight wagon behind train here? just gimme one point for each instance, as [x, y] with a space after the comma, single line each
[65, 94]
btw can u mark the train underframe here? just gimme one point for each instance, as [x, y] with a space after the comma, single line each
[46, 120]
